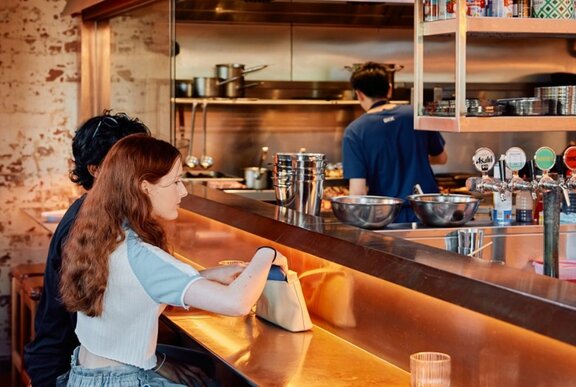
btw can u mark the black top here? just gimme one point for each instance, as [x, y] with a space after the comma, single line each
[49, 354]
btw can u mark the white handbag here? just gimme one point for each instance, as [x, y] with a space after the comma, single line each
[282, 303]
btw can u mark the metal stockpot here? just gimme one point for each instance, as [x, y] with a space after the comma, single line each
[206, 87]
[256, 177]
[231, 78]
[227, 71]
[184, 88]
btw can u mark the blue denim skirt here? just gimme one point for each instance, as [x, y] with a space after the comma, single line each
[118, 376]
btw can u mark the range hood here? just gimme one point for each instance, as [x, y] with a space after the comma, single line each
[367, 13]
[389, 14]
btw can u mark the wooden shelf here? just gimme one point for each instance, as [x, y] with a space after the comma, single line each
[511, 27]
[459, 29]
[497, 124]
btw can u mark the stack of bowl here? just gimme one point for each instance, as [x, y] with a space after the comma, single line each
[299, 180]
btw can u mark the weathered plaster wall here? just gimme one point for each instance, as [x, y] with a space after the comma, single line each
[39, 91]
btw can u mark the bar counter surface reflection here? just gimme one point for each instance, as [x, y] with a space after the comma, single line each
[396, 291]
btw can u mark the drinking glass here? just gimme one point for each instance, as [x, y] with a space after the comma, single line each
[470, 240]
[430, 369]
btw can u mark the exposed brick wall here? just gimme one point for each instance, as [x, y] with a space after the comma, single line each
[39, 91]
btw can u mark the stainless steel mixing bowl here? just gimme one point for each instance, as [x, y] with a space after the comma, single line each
[369, 212]
[444, 210]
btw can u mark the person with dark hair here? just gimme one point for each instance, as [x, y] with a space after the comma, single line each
[118, 274]
[382, 154]
[48, 355]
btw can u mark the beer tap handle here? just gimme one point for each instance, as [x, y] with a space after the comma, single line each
[545, 158]
[564, 189]
[569, 158]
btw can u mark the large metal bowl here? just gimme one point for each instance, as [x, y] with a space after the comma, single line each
[444, 210]
[369, 212]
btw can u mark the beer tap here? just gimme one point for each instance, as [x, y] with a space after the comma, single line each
[484, 161]
[516, 160]
[569, 159]
[545, 158]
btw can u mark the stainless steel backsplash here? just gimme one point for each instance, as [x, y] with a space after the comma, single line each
[309, 54]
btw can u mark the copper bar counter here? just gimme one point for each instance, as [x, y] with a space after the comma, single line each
[375, 299]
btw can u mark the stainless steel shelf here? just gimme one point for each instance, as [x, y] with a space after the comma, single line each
[256, 101]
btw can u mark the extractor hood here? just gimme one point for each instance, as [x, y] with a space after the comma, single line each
[381, 14]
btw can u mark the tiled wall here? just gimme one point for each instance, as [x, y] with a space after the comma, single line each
[39, 91]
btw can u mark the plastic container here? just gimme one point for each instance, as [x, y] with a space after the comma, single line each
[502, 211]
[524, 207]
[539, 210]
[567, 269]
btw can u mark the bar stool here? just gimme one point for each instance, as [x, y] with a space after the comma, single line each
[27, 281]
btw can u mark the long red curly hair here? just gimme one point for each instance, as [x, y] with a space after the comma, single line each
[116, 199]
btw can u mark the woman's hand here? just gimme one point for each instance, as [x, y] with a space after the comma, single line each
[223, 274]
[281, 261]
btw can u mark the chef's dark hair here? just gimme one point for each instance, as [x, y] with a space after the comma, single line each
[93, 140]
[371, 79]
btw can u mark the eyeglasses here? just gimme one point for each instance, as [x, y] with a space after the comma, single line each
[108, 121]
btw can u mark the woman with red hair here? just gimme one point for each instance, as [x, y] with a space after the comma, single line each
[118, 276]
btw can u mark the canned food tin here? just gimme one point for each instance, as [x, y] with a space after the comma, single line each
[502, 8]
[450, 9]
[476, 8]
[430, 10]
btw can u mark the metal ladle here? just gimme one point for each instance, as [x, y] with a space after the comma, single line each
[205, 160]
[263, 156]
[191, 160]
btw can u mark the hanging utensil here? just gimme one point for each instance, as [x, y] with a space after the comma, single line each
[263, 156]
[182, 142]
[205, 160]
[417, 190]
[191, 160]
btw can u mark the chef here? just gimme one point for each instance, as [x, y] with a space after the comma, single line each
[382, 154]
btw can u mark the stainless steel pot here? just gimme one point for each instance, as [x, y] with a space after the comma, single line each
[206, 87]
[184, 88]
[235, 87]
[227, 71]
[231, 78]
[256, 177]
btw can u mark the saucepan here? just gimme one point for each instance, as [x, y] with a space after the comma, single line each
[231, 78]
[232, 71]
[184, 88]
[206, 87]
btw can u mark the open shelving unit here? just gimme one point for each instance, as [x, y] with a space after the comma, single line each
[461, 27]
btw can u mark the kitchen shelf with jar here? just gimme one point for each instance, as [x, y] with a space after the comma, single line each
[462, 27]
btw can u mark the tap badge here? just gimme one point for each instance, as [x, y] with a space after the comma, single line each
[545, 158]
[515, 158]
[570, 158]
[483, 159]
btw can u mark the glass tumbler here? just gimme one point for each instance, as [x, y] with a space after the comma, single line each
[470, 240]
[430, 369]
